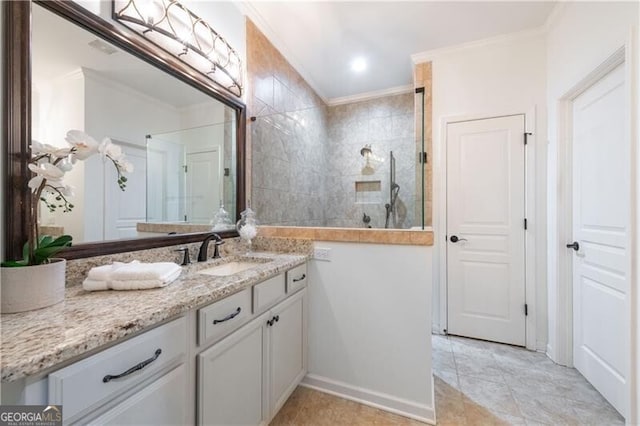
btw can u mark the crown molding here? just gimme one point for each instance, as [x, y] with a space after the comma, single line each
[429, 55]
[555, 14]
[398, 90]
[252, 13]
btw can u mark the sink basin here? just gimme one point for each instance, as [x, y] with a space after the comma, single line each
[229, 268]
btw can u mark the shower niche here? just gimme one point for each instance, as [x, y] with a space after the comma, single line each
[368, 192]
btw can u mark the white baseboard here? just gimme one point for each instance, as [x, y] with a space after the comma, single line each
[542, 347]
[392, 404]
[550, 353]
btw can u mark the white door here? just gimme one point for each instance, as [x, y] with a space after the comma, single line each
[124, 209]
[601, 211]
[485, 229]
[203, 180]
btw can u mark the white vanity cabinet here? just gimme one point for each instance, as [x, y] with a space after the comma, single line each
[162, 402]
[246, 378]
[143, 376]
[285, 350]
[232, 362]
[230, 375]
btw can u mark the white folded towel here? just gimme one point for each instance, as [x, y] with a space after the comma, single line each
[144, 284]
[144, 271]
[131, 276]
[95, 285]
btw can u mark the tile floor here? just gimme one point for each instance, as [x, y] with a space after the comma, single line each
[476, 383]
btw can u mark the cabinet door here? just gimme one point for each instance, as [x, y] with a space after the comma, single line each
[230, 379]
[162, 402]
[287, 349]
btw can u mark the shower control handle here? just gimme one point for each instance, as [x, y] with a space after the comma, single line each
[455, 239]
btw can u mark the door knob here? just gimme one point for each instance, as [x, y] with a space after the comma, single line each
[455, 239]
[574, 245]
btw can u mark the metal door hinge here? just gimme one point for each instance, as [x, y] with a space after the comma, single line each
[525, 223]
[185, 168]
[422, 157]
[526, 137]
[526, 309]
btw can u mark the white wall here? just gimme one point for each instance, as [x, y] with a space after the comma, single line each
[119, 112]
[504, 75]
[581, 37]
[370, 325]
[57, 107]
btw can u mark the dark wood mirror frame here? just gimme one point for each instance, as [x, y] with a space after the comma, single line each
[17, 121]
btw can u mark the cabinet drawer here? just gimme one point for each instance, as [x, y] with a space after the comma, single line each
[163, 402]
[267, 293]
[220, 318]
[86, 385]
[296, 278]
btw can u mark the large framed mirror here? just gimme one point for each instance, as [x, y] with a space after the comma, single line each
[66, 68]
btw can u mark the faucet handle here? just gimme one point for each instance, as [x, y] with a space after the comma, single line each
[186, 259]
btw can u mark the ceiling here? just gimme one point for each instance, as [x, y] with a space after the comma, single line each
[60, 48]
[321, 38]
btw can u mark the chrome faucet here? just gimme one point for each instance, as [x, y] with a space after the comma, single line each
[204, 247]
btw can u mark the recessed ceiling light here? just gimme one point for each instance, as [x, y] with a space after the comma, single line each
[359, 64]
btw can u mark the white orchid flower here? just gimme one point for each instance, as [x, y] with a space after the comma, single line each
[67, 191]
[109, 149]
[65, 165]
[35, 182]
[125, 166]
[47, 171]
[84, 144]
[38, 148]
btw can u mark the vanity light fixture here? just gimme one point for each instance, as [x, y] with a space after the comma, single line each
[176, 29]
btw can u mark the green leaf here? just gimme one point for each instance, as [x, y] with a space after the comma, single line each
[14, 263]
[44, 240]
[62, 241]
[25, 252]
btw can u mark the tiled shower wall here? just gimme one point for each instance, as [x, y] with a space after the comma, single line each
[288, 139]
[387, 124]
[305, 157]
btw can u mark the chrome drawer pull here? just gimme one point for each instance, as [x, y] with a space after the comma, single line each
[228, 317]
[135, 368]
[295, 280]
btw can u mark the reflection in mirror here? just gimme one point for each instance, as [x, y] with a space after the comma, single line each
[187, 173]
[82, 82]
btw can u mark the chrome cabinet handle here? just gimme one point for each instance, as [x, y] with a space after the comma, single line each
[228, 317]
[295, 280]
[133, 369]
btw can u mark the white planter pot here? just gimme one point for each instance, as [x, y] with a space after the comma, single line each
[32, 287]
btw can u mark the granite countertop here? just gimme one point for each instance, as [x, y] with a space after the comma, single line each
[37, 340]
